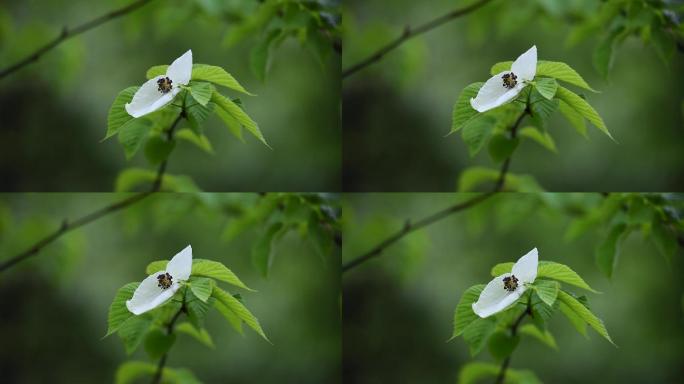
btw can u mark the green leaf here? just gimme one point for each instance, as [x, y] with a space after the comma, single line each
[501, 147]
[157, 70]
[664, 239]
[477, 333]
[262, 251]
[132, 134]
[463, 111]
[476, 133]
[131, 178]
[238, 114]
[229, 121]
[576, 321]
[217, 75]
[118, 312]
[474, 372]
[541, 108]
[218, 271]
[197, 114]
[239, 310]
[200, 335]
[201, 287]
[583, 108]
[546, 87]
[543, 139]
[201, 92]
[232, 318]
[501, 344]
[200, 141]
[157, 343]
[543, 336]
[118, 116]
[541, 312]
[260, 54]
[607, 252]
[156, 266]
[575, 118]
[464, 315]
[555, 69]
[472, 177]
[158, 149]
[130, 371]
[547, 291]
[585, 314]
[132, 332]
[502, 268]
[197, 309]
[603, 55]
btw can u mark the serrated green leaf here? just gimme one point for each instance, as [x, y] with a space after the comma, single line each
[555, 69]
[218, 271]
[239, 310]
[585, 314]
[501, 147]
[197, 309]
[200, 141]
[238, 114]
[603, 55]
[502, 268]
[118, 312]
[117, 115]
[217, 75]
[551, 270]
[157, 70]
[500, 67]
[583, 108]
[158, 149]
[664, 239]
[232, 318]
[201, 92]
[463, 111]
[201, 287]
[132, 332]
[541, 108]
[574, 118]
[262, 251]
[133, 134]
[158, 342]
[546, 87]
[501, 344]
[607, 252]
[156, 266]
[260, 54]
[477, 131]
[200, 335]
[477, 333]
[197, 114]
[576, 321]
[541, 312]
[464, 315]
[543, 336]
[543, 139]
[547, 291]
[229, 121]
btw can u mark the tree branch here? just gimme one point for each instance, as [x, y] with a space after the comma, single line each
[156, 379]
[410, 227]
[68, 226]
[409, 33]
[514, 330]
[69, 33]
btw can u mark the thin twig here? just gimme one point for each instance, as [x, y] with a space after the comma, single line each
[68, 226]
[68, 33]
[514, 330]
[409, 33]
[410, 227]
[156, 379]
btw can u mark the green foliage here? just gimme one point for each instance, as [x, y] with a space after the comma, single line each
[132, 332]
[158, 149]
[584, 313]
[544, 336]
[463, 111]
[239, 310]
[464, 314]
[547, 291]
[473, 177]
[205, 268]
[502, 344]
[476, 133]
[217, 75]
[118, 116]
[262, 254]
[546, 87]
[130, 371]
[201, 92]
[583, 108]
[548, 269]
[477, 333]
[132, 135]
[474, 372]
[158, 343]
[118, 312]
[200, 335]
[201, 287]
[607, 252]
[542, 138]
[502, 147]
[553, 69]
[239, 115]
[132, 178]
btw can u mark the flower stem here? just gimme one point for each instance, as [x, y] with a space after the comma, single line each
[156, 379]
[514, 330]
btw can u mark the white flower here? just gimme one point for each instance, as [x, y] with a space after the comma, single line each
[505, 86]
[160, 286]
[504, 290]
[159, 91]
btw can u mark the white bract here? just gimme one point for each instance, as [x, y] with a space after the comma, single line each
[160, 286]
[160, 90]
[505, 86]
[504, 290]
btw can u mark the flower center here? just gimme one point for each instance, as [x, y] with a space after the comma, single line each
[165, 280]
[165, 85]
[510, 283]
[509, 80]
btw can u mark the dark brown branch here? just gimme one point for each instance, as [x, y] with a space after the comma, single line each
[68, 226]
[410, 227]
[514, 330]
[409, 33]
[68, 33]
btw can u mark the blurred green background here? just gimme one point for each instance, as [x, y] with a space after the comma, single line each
[54, 112]
[399, 307]
[398, 111]
[54, 306]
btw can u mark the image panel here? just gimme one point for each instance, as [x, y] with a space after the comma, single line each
[553, 288]
[580, 95]
[172, 288]
[233, 95]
